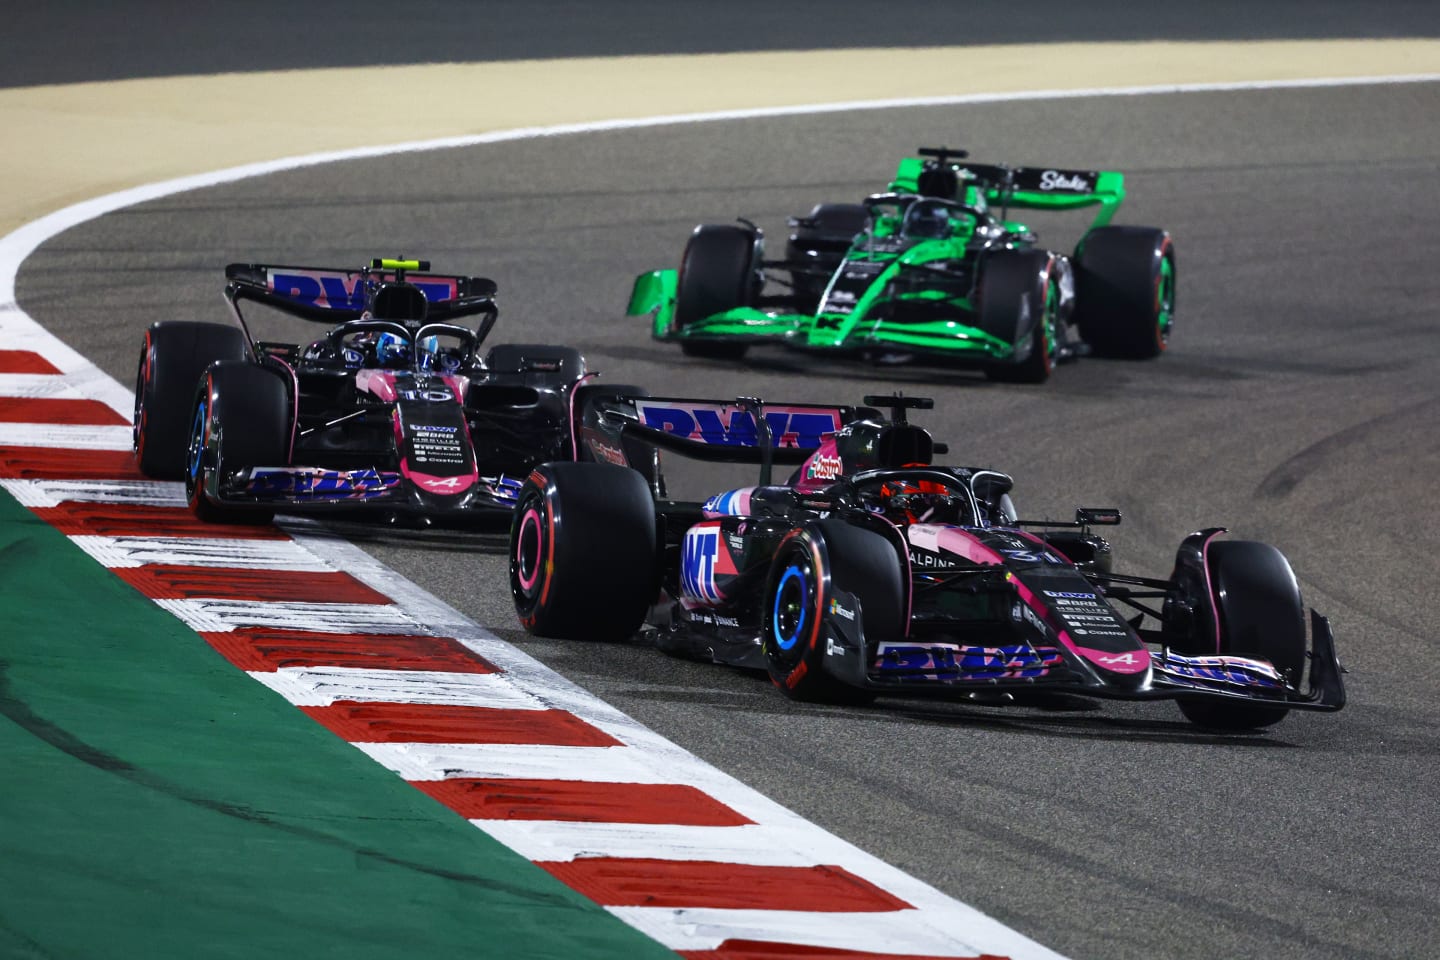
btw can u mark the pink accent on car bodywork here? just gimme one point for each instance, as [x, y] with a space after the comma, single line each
[381, 383]
[295, 407]
[938, 537]
[449, 486]
[574, 433]
[1210, 584]
[1135, 661]
[827, 451]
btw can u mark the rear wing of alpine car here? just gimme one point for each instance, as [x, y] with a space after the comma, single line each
[744, 430]
[336, 294]
[946, 173]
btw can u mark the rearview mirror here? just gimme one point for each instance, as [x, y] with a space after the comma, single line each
[1098, 516]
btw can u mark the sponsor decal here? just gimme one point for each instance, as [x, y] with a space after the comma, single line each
[824, 468]
[606, 453]
[353, 358]
[429, 394]
[947, 662]
[711, 619]
[344, 290]
[727, 425]
[315, 482]
[833, 649]
[925, 560]
[836, 610]
[1070, 596]
[697, 563]
[1056, 180]
[1235, 671]
[432, 444]
[1031, 556]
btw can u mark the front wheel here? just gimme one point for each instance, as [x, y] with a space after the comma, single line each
[172, 357]
[242, 417]
[810, 568]
[1125, 291]
[717, 273]
[1262, 617]
[1019, 299]
[583, 557]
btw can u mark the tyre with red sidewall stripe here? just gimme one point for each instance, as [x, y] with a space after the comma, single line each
[812, 565]
[243, 416]
[172, 357]
[583, 558]
[1125, 291]
[1018, 299]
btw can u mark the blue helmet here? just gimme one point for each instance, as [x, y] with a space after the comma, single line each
[392, 350]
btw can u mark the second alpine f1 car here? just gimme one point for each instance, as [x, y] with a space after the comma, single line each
[872, 570]
[394, 408]
[931, 270]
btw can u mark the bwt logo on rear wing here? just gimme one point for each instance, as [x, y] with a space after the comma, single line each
[731, 425]
[345, 289]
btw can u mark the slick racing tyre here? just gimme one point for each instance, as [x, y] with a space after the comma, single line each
[172, 357]
[1262, 617]
[1125, 291]
[821, 245]
[1018, 302]
[810, 565]
[717, 273]
[639, 456]
[583, 557]
[555, 363]
[242, 417]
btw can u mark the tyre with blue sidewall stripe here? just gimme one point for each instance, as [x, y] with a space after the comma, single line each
[812, 567]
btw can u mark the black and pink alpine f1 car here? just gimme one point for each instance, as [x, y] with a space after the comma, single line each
[872, 571]
[395, 408]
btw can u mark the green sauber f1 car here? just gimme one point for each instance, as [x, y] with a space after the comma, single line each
[933, 270]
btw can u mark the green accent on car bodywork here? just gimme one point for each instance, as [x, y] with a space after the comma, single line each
[1108, 194]
[654, 292]
[1165, 298]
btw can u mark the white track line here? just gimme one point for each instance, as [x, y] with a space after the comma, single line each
[200, 552]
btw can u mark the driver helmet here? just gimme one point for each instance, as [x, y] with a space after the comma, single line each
[919, 501]
[433, 357]
[928, 219]
[392, 350]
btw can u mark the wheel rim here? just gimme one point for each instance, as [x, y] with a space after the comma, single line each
[790, 612]
[137, 440]
[1164, 301]
[529, 550]
[1052, 309]
[194, 458]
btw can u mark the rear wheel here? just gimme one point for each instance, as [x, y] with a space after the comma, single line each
[717, 273]
[1018, 302]
[809, 567]
[1125, 291]
[172, 357]
[583, 558]
[1262, 617]
[242, 417]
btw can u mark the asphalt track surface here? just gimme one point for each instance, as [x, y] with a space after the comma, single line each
[1297, 405]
